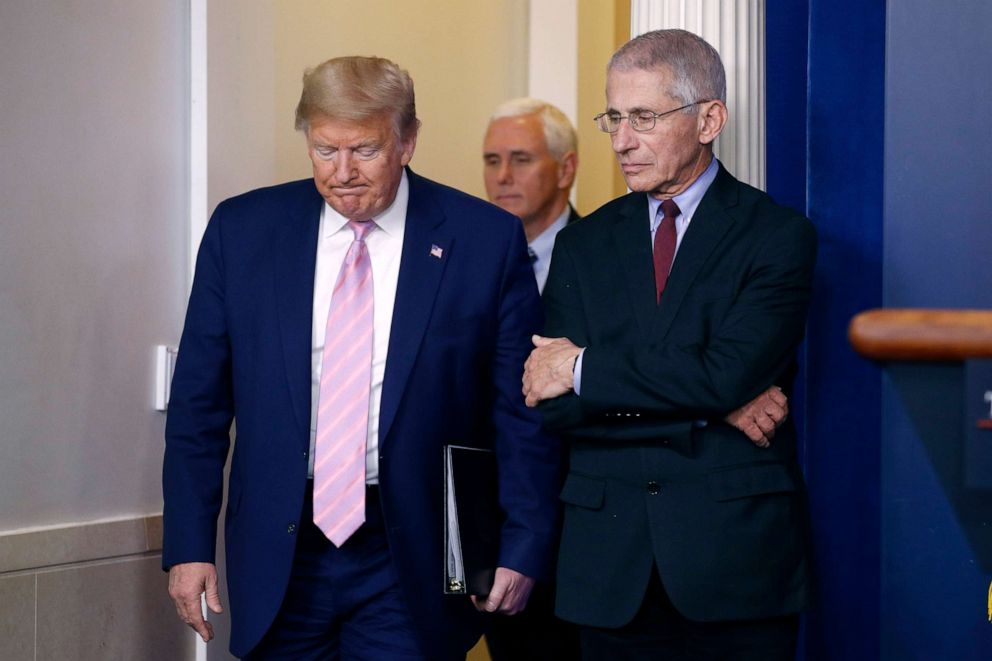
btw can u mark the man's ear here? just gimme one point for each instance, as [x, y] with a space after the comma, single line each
[712, 119]
[566, 170]
[408, 145]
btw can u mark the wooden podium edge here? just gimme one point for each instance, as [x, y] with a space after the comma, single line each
[916, 334]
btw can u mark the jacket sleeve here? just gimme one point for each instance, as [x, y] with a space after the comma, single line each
[201, 409]
[563, 317]
[529, 460]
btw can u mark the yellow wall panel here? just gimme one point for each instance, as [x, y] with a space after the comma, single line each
[464, 57]
[603, 27]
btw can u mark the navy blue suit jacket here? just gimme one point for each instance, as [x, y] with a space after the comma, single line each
[460, 334]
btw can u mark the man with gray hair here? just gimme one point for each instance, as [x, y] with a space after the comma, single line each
[666, 308]
[353, 324]
[530, 157]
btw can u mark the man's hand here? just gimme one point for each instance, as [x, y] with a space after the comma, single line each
[509, 594]
[187, 581]
[760, 417]
[548, 370]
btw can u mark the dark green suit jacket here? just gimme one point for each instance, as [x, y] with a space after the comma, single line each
[656, 477]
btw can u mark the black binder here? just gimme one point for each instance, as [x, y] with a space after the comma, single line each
[473, 519]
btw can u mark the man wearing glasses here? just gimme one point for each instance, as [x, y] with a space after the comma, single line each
[664, 309]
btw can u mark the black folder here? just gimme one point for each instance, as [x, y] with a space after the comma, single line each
[473, 519]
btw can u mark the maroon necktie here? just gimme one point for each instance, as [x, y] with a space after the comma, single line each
[664, 245]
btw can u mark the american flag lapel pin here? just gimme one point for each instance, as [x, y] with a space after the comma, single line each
[436, 251]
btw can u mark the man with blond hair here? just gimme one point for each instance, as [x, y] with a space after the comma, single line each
[353, 324]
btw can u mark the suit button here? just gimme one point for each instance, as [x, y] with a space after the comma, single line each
[654, 488]
[291, 528]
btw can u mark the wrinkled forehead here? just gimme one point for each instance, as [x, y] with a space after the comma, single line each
[632, 89]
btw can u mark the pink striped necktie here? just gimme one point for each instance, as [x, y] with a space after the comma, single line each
[343, 401]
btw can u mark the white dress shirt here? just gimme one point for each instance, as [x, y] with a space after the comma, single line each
[385, 247]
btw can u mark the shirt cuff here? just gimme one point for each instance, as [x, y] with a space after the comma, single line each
[577, 373]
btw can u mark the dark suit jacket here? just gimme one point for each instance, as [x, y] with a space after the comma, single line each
[655, 475]
[535, 633]
[573, 215]
[460, 333]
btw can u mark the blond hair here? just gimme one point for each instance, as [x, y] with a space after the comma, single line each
[357, 88]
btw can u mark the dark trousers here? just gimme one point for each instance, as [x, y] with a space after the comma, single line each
[658, 632]
[535, 634]
[342, 603]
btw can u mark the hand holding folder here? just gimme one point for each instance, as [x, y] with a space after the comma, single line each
[473, 520]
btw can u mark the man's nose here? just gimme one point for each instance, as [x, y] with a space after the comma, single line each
[624, 138]
[504, 173]
[344, 166]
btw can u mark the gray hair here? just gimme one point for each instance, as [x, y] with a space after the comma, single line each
[697, 71]
[358, 88]
[559, 133]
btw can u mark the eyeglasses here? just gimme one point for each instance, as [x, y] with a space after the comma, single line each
[642, 120]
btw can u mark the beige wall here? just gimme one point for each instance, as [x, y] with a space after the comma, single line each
[464, 57]
[241, 104]
[603, 27]
[92, 276]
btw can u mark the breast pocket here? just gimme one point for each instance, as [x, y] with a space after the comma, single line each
[702, 313]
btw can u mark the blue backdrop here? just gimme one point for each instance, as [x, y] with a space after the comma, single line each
[878, 123]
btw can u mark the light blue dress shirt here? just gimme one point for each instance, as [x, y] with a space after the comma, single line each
[542, 246]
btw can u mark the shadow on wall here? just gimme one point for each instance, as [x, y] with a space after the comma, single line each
[933, 398]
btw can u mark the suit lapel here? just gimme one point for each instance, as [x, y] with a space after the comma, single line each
[427, 247]
[708, 226]
[295, 261]
[632, 244]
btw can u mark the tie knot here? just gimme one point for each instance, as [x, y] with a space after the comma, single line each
[670, 209]
[361, 228]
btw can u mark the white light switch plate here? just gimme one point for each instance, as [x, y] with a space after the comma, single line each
[165, 363]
